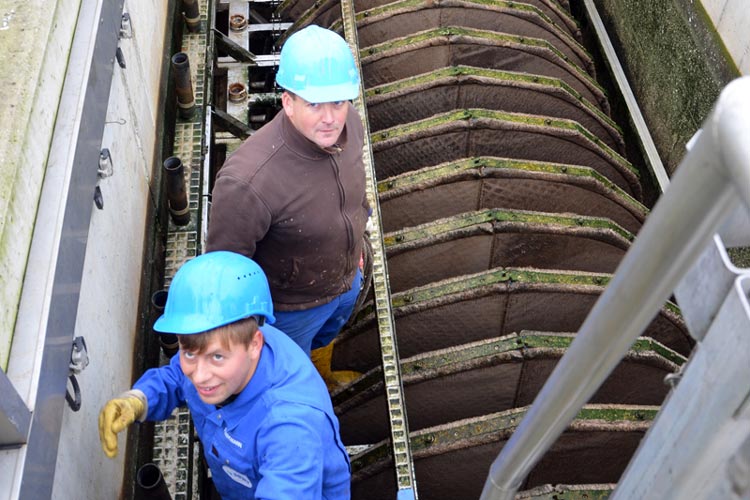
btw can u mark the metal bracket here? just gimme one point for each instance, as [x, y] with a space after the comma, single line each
[231, 124]
[79, 356]
[673, 379]
[79, 360]
[126, 29]
[238, 52]
[105, 164]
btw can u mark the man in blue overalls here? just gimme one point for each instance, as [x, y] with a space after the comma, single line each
[262, 413]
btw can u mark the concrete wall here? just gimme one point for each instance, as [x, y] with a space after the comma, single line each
[676, 61]
[732, 19]
[678, 55]
[35, 38]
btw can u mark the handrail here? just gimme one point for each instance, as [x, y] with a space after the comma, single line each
[712, 180]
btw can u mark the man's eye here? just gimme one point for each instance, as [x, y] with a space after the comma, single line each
[218, 357]
[188, 355]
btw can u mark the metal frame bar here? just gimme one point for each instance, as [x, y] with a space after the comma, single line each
[15, 416]
[238, 52]
[703, 289]
[687, 450]
[231, 124]
[400, 444]
[712, 180]
[49, 407]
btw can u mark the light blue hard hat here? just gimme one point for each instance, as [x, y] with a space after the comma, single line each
[213, 290]
[317, 65]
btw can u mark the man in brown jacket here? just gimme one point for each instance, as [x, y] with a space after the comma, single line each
[292, 197]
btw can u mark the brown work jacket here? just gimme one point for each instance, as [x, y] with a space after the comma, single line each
[296, 209]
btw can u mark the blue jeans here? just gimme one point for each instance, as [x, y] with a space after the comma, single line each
[318, 326]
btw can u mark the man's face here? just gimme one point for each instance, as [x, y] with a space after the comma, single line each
[218, 372]
[321, 123]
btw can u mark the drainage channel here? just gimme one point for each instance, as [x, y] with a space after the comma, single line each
[504, 199]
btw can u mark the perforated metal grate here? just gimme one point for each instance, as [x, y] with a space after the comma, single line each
[175, 450]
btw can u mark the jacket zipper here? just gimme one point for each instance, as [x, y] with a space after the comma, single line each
[347, 221]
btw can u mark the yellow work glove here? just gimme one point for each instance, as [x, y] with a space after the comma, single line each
[116, 416]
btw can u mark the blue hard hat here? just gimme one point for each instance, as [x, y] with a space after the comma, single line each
[317, 65]
[213, 290]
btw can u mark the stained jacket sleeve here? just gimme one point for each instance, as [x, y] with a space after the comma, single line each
[163, 388]
[239, 218]
[290, 453]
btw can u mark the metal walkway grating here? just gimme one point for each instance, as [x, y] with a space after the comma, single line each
[175, 451]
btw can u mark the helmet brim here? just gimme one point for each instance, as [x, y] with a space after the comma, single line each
[330, 93]
[198, 323]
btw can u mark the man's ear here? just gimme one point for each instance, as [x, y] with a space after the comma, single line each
[257, 343]
[286, 102]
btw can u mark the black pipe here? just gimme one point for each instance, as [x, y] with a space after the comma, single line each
[150, 484]
[176, 194]
[183, 84]
[192, 15]
[168, 341]
[159, 299]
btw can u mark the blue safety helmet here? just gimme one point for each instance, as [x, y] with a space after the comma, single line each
[317, 65]
[213, 290]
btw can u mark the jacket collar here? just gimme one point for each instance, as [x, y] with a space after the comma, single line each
[303, 146]
[260, 382]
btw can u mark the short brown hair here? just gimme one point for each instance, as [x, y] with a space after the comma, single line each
[240, 332]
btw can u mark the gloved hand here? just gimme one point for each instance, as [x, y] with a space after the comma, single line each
[116, 416]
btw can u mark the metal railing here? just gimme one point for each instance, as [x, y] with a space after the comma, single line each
[694, 448]
[711, 183]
